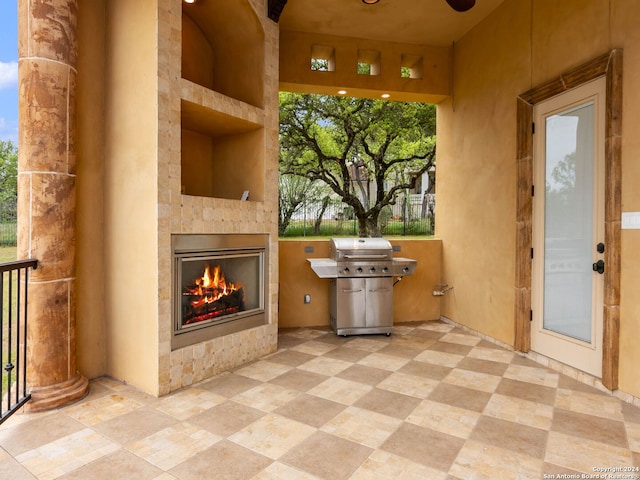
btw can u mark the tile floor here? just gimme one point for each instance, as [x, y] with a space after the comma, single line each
[429, 402]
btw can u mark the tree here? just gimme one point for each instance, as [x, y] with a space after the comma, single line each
[293, 191]
[352, 144]
[8, 171]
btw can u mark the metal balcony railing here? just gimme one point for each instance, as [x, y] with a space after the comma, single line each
[14, 278]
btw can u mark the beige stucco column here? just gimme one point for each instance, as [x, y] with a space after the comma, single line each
[47, 49]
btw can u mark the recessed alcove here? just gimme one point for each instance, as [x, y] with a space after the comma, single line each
[227, 57]
[368, 62]
[222, 155]
[411, 66]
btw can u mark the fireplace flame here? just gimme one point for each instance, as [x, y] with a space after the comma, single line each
[211, 287]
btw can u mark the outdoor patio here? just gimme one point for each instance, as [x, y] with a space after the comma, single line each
[432, 401]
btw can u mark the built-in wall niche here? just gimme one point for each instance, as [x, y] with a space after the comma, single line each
[223, 49]
[323, 58]
[411, 66]
[222, 156]
[368, 62]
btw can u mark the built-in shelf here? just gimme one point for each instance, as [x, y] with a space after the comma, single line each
[222, 99]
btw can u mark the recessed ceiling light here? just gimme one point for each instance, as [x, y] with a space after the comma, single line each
[342, 92]
[370, 2]
[385, 95]
[189, 1]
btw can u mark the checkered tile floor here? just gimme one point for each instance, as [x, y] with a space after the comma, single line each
[431, 401]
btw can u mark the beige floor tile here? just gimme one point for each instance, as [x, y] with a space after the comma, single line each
[188, 402]
[483, 366]
[590, 404]
[266, 397]
[389, 403]
[272, 435]
[280, 471]
[101, 409]
[229, 384]
[584, 455]
[493, 354]
[364, 374]
[520, 411]
[439, 358]
[413, 385]
[536, 375]
[311, 410]
[134, 425]
[443, 418]
[367, 344]
[386, 466]
[516, 437]
[461, 397]
[480, 461]
[475, 380]
[633, 435]
[384, 362]
[27, 432]
[173, 445]
[120, 464]
[325, 365]
[436, 327]
[263, 371]
[224, 460]
[599, 429]
[12, 469]
[327, 456]
[227, 418]
[290, 357]
[314, 348]
[462, 339]
[362, 426]
[342, 391]
[66, 454]
[426, 369]
[296, 379]
[424, 446]
[347, 354]
[527, 391]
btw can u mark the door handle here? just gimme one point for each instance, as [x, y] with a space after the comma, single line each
[599, 267]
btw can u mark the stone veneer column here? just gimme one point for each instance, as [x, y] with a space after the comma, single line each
[47, 49]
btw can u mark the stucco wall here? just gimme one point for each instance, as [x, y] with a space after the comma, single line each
[521, 45]
[413, 298]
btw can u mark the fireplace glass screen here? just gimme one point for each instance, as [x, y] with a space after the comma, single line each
[216, 288]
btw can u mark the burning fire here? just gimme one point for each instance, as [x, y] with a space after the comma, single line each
[211, 288]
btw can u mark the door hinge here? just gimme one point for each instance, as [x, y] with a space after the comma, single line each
[532, 253]
[533, 128]
[533, 190]
[531, 315]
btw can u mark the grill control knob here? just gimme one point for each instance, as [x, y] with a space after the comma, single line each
[359, 270]
[345, 270]
[405, 269]
[372, 269]
[385, 269]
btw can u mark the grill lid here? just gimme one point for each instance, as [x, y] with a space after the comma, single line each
[354, 249]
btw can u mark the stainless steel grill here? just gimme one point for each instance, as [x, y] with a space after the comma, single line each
[361, 272]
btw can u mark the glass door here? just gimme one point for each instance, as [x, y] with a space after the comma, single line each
[569, 227]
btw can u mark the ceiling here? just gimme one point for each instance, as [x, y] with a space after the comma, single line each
[422, 22]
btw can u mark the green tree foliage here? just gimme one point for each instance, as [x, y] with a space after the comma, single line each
[8, 171]
[352, 144]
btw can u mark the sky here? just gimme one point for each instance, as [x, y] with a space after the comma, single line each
[9, 70]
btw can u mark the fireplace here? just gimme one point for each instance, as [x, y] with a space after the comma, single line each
[219, 285]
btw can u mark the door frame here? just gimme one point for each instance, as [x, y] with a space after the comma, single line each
[610, 66]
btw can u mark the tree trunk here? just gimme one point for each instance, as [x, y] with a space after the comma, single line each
[316, 225]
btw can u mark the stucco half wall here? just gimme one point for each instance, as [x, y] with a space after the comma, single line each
[413, 298]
